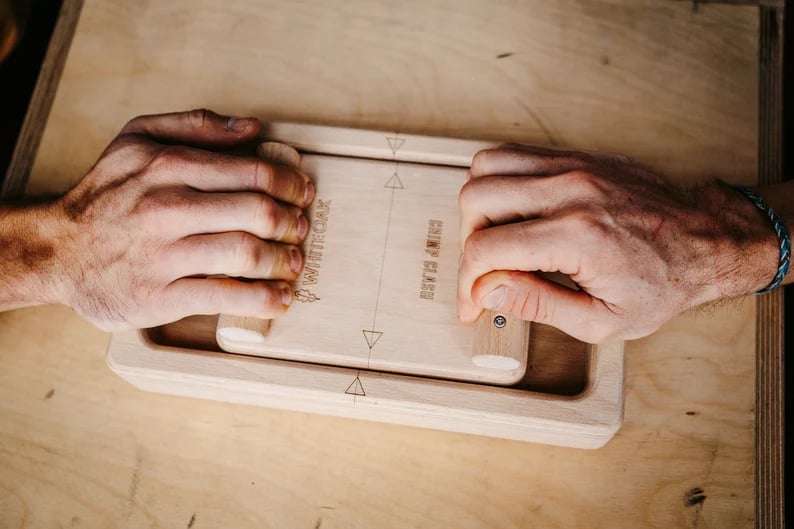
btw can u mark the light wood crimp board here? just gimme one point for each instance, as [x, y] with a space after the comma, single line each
[378, 289]
[367, 336]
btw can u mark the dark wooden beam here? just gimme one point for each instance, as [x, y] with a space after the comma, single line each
[770, 353]
[16, 177]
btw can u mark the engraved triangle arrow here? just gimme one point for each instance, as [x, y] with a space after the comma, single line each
[372, 337]
[355, 388]
[395, 144]
[394, 182]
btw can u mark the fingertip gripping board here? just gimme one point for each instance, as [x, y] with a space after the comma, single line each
[410, 362]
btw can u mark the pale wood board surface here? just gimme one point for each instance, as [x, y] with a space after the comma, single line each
[678, 89]
[671, 87]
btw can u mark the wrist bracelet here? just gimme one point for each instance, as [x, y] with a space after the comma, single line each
[783, 237]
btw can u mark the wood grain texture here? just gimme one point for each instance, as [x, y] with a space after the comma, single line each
[770, 497]
[668, 85]
[502, 342]
[361, 143]
[588, 420]
[110, 455]
[569, 72]
[556, 363]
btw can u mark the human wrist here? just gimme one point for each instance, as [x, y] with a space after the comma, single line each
[782, 232]
[746, 250]
[31, 267]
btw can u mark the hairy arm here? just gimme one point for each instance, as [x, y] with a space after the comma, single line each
[29, 265]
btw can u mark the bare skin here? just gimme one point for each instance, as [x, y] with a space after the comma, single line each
[639, 249]
[131, 245]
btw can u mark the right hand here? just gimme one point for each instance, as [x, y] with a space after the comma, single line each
[639, 249]
[162, 209]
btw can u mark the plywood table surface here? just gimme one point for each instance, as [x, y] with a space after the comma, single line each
[673, 87]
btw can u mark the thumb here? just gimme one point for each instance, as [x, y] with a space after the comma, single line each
[197, 128]
[532, 298]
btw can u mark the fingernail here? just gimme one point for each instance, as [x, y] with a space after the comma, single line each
[286, 296]
[495, 298]
[238, 124]
[295, 260]
[303, 227]
[308, 193]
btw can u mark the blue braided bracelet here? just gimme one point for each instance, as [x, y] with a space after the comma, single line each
[783, 237]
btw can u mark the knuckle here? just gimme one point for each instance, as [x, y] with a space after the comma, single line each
[133, 124]
[128, 153]
[271, 298]
[473, 247]
[168, 159]
[264, 176]
[127, 140]
[467, 198]
[268, 215]
[537, 306]
[198, 117]
[152, 207]
[590, 220]
[483, 159]
[585, 182]
[247, 252]
[578, 221]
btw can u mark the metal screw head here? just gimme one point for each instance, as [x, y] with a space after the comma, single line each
[500, 321]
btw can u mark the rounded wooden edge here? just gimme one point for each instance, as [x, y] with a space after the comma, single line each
[523, 415]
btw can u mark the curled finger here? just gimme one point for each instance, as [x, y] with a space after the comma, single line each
[532, 298]
[187, 213]
[237, 254]
[516, 160]
[217, 172]
[257, 299]
[199, 127]
[555, 244]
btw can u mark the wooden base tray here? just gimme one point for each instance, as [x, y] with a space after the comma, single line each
[564, 392]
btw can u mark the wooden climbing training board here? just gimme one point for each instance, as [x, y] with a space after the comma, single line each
[378, 290]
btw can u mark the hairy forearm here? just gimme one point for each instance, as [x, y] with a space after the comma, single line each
[28, 256]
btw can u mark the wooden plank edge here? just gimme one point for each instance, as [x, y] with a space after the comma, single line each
[374, 144]
[764, 3]
[252, 345]
[16, 177]
[769, 391]
[589, 420]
